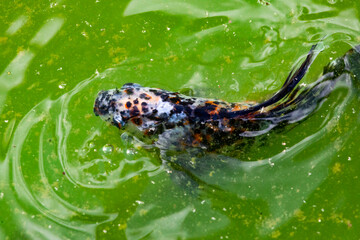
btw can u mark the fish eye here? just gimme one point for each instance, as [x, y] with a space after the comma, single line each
[118, 121]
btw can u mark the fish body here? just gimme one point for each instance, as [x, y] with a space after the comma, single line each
[153, 111]
[173, 119]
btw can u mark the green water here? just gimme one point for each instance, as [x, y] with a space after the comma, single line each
[65, 174]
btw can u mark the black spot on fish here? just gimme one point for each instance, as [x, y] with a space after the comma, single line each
[223, 113]
[129, 91]
[128, 104]
[156, 92]
[136, 121]
[188, 110]
[210, 107]
[187, 102]
[169, 125]
[136, 101]
[201, 113]
[174, 99]
[134, 111]
[143, 104]
[145, 96]
[178, 108]
[164, 96]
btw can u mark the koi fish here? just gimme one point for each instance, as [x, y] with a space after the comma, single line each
[174, 120]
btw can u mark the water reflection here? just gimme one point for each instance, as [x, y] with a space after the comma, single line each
[47, 31]
[16, 25]
[14, 74]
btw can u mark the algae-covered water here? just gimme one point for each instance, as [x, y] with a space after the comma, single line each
[65, 174]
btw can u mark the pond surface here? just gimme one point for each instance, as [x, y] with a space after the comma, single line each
[65, 174]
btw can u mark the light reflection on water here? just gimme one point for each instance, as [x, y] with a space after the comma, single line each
[58, 182]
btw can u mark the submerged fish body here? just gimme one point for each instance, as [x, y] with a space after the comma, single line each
[175, 120]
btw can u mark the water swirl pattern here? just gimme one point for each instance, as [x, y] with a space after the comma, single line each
[66, 174]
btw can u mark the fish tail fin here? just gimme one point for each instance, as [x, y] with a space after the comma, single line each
[291, 82]
[294, 104]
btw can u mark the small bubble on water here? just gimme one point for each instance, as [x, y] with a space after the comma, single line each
[332, 1]
[91, 144]
[6, 121]
[53, 4]
[104, 231]
[1, 195]
[130, 151]
[62, 85]
[84, 34]
[49, 226]
[107, 148]
[349, 158]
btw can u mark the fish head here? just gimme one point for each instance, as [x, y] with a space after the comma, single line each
[131, 103]
[108, 108]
